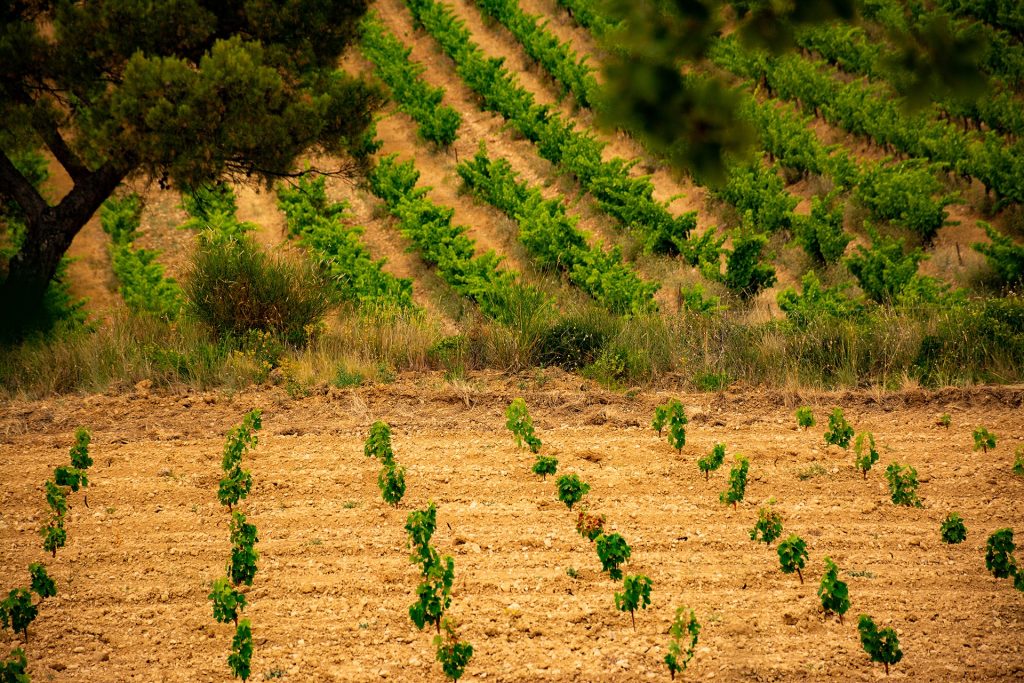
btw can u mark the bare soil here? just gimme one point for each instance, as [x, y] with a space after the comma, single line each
[330, 600]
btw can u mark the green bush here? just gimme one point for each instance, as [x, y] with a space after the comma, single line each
[999, 557]
[983, 439]
[737, 482]
[816, 302]
[571, 489]
[712, 461]
[804, 417]
[864, 452]
[793, 556]
[613, 551]
[678, 656]
[768, 526]
[881, 645]
[902, 485]
[839, 430]
[745, 274]
[953, 530]
[821, 234]
[834, 594]
[884, 270]
[1004, 256]
[636, 594]
[235, 287]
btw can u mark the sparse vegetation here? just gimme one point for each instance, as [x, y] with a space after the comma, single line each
[768, 526]
[737, 482]
[864, 452]
[544, 465]
[520, 423]
[793, 556]
[983, 439]
[613, 551]
[882, 645]
[571, 489]
[682, 644]
[636, 594]
[902, 485]
[804, 417]
[712, 461]
[834, 594]
[952, 529]
[839, 430]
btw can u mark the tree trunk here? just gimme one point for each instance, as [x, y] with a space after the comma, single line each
[48, 234]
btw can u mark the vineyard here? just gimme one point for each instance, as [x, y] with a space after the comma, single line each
[333, 584]
[496, 384]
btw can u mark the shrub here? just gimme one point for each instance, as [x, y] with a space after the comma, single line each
[815, 302]
[589, 526]
[839, 431]
[768, 526]
[234, 286]
[391, 482]
[737, 482]
[902, 485]
[821, 234]
[636, 594]
[433, 595]
[242, 566]
[679, 656]
[17, 611]
[881, 645]
[712, 461]
[453, 654]
[241, 650]
[983, 439]
[571, 489]
[544, 465]
[804, 417]
[1004, 257]
[378, 443]
[574, 342]
[884, 270]
[695, 300]
[519, 422]
[41, 584]
[660, 418]
[745, 274]
[793, 556]
[953, 530]
[420, 526]
[864, 452]
[673, 415]
[834, 594]
[236, 483]
[677, 426]
[14, 669]
[945, 420]
[613, 551]
[999, 557]
[1018, 461]
[227, 601]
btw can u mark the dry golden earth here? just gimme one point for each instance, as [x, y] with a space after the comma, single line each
[330, 600]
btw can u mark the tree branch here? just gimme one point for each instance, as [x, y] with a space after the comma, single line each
[51, 136]
[247, 170]
[13, 185]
